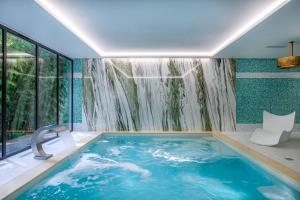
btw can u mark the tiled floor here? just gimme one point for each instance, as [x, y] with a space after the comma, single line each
[287, 153]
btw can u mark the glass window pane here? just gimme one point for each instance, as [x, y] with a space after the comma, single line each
[47, 94]
[20, 93]
[65, 78]
[1, 62]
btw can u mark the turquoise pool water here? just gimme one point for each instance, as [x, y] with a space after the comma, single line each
[158, 167]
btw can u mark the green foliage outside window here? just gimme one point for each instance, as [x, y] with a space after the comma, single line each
[20, 87]
[65, 67]
[47, 94]
[21, 91]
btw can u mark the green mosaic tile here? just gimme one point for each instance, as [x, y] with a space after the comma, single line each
[260, 65]
[77, 65]
[279, 96]
[77, 117]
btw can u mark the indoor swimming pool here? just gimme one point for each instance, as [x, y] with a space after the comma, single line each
[148, 166]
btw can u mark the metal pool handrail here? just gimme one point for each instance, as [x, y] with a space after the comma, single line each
[37, 139]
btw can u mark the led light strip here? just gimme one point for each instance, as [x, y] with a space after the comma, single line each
[50, 8]
[252, 23]
[46, 4]
[155, 54]
[152, 77]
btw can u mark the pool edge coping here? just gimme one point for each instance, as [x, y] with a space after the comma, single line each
[16, 184]
[276, 168]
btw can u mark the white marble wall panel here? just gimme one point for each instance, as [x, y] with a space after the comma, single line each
[163, 94]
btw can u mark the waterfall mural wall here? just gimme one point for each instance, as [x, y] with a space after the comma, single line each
[167, 94]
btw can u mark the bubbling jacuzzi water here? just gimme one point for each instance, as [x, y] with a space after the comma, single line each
[158, 167]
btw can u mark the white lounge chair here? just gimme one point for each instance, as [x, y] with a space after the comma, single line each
[276, 129]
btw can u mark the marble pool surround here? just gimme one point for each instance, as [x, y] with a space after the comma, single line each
[279, 170]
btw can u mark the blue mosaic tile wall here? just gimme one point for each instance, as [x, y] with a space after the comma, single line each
[253, 95]
[77, 68]
[260, 65]
[77, 112]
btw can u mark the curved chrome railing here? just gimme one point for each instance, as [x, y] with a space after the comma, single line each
[37, 139]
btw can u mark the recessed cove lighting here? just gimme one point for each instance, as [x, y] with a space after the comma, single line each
[156, 54]
[57, 12]
[155, 77]
[258, 18]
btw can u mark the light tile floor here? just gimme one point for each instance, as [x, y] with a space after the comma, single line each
[287, 153]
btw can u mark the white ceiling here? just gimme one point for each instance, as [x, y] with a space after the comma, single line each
[118, 27]
[277, 30]
[28, 18]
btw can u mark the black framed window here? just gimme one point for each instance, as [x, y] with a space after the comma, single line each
[1, 66]
[47, 88]
[65, 91]
[36, 89]
[20, 93]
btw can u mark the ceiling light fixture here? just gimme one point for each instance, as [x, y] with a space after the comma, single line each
[289, 61]
[53, 10]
